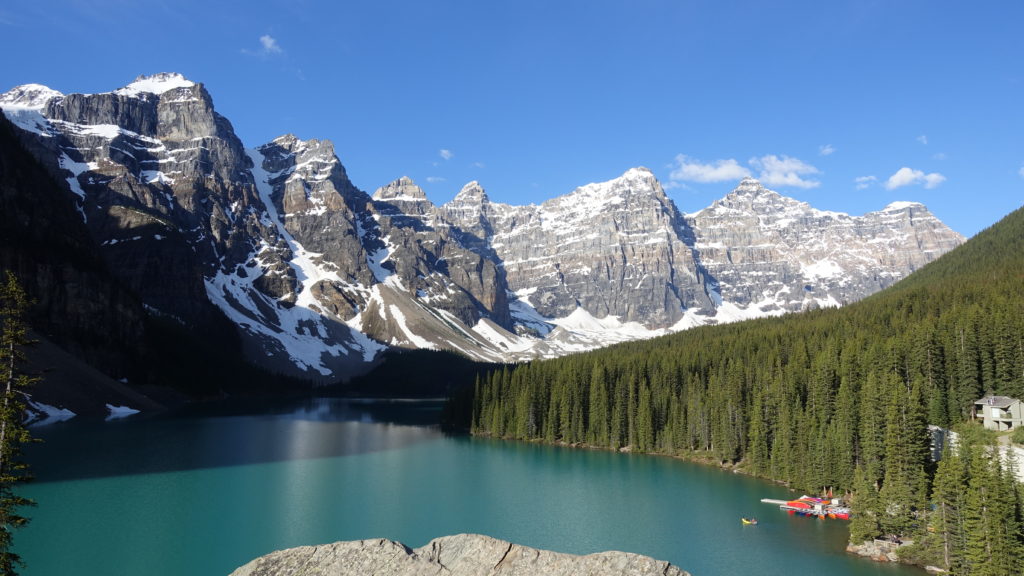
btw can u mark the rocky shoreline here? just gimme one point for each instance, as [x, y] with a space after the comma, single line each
[459, 555]
[878, 550]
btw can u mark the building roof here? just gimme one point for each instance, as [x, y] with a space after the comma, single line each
[997, 401]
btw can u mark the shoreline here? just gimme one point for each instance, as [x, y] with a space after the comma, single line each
[866, 550]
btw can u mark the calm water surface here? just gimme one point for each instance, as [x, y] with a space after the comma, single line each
[204, 491]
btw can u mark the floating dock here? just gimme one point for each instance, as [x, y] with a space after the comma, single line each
[811, 506]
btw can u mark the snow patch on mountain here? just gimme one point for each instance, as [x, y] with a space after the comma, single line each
[376, 259]
[502, 339]
[902, 205]
[41, 414]
[155, 84]
[525, 314]
[409, 335]
[23, 106]
[821, 269]
[28, 97]
[297, 330]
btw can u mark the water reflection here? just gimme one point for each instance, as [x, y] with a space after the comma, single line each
[230, 434]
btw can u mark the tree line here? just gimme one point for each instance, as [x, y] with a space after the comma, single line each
[836, 400]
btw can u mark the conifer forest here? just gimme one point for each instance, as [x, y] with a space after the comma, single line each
[836, 400]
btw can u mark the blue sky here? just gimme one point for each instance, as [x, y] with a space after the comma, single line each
[845, 105]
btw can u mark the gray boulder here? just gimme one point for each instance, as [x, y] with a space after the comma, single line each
[460, 555]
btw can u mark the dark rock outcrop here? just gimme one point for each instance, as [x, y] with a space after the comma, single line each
[79, 304]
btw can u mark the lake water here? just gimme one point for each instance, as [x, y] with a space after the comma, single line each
[204, 491]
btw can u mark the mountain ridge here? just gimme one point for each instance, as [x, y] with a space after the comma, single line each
[319, 277]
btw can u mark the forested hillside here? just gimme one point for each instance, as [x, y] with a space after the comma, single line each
[837, 398]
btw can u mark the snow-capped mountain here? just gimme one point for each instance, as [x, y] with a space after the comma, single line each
[320, 277]
[769, 254]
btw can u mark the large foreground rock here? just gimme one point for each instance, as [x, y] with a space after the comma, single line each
[460, 555]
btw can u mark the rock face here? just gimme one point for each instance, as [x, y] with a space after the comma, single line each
[616, 248]
[460, 555]
[43, 241]
[769, 254]
[318, 276]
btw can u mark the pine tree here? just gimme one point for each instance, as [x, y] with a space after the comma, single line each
[904, 488]
[757, 454]
[945, 537]
[864, 507]
[13, 433]
[990, 519]
[599, 412]
[872, 428]
[644, 421]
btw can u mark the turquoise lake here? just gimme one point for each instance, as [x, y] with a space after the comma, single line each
[205, 490]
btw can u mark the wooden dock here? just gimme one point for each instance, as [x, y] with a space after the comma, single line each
[807, 506]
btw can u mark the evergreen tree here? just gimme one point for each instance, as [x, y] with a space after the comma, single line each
[872, 429]
[992, 543]
[904, 488]
[644, 421]
[757, 454]
[865, 509]
[598, 434]
[944, 540]
[13, 433]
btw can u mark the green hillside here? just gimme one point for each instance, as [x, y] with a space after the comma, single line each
[834, 399]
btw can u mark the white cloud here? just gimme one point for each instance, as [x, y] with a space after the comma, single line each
[864, 181]
[1021, 171]
[932, 180]
[479, 165]
[784, 171]
[939, 156]
[826, 150]
[906, 176]
[270, 45]
[435, 179]
[446, 153]
[693, 170]
[923, 139]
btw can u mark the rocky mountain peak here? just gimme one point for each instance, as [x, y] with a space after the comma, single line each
[287, 141]
[903, 206]
[598, 195]
[631, 181]
[280, 149]
[471, 193]
[751, 190]
[749, 186]
[402, 190]
[28, 97]
[638, 173]
[312, 149]
[155, 84]
[751, 197]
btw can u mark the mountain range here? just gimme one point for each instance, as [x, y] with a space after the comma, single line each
[318, 278]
